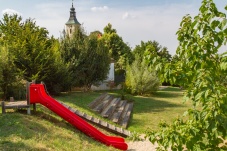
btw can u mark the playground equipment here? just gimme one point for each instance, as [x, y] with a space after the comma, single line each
[37, 94]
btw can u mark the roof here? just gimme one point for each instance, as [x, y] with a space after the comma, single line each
[72, 19]
[72, 22]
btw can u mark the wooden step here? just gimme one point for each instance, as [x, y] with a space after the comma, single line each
[97, 100]
[118, 112]
[126, 115]
[100, 123]
[110, 108]
[99, 108]
[99, 105]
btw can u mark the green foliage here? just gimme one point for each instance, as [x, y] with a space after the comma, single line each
[87, 57]
[118, 50]
[135, 137]
[140, 79]
[32, 52]
[11, 81]
[153, 48]
[200, 69]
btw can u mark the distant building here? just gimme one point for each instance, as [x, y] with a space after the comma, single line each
[72, 23]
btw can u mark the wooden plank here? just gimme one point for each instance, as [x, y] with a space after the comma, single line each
[103, 123]
[108, 111]
[98, 122]
[11, 99]
[34, 107]
[17, 104]
[3, 107]
[88, 117]
[101, 106]
[28, 92]
[127, 114]
[118, 112]
[97, 100]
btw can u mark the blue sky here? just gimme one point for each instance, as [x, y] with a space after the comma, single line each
[134, 20]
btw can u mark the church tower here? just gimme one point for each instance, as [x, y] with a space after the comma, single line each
[72, 23]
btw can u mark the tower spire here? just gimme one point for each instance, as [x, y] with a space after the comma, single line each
[72, 23]
[72, 18]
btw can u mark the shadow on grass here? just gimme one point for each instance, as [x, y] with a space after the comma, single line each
[153, 103]
[19, 125]
[147, 105]
[9, 145]
[50, 118]
[171, 92]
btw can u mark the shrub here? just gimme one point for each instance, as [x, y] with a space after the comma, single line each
[140, 79]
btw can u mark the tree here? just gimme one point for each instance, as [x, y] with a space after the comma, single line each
[155, 50]
[152, 47]
[11, 81]
[118, 50]
[32, 51]
[203, 71]
[87, 57]
[140, 79]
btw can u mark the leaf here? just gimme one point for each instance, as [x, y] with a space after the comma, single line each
[223, 66]
[215, 24]
[199, 95]
[222, 24]
[207, 94]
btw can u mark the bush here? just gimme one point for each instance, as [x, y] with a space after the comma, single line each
[140, 79]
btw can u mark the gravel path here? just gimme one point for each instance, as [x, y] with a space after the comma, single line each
[141, 146]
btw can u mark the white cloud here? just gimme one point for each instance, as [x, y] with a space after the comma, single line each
[98, 9]
[159, 23]
[126, 15]
[11, 12]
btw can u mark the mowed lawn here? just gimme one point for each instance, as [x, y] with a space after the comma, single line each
[44, 130]
[165, 105]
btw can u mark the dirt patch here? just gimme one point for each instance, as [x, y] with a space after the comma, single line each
[144, 145]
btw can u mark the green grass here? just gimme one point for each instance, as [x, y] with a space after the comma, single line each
[44, 130]
[148, 111]
[165, 105]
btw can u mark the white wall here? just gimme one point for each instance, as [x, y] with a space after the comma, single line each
[110, 76]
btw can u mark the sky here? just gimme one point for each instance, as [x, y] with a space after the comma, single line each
[134, 20]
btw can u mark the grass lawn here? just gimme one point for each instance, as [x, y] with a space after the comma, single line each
[164, 105]
[44, 130]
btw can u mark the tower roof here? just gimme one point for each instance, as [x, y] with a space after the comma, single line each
[72, 19]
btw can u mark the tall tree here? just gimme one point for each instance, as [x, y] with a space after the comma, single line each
[88, 58]
[11, 78]
[203, 72]
[32, 50]
[118, 49]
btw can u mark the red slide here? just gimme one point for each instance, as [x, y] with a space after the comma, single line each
[38, 95]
